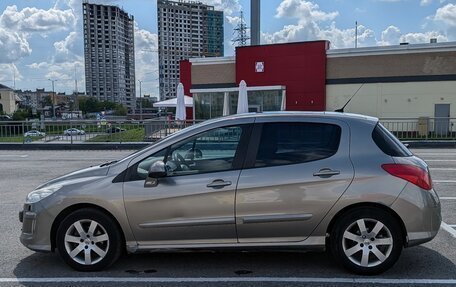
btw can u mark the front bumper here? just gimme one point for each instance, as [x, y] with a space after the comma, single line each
[36, 228]
[420, 212]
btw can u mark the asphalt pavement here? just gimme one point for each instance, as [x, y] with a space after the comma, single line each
[433, 263]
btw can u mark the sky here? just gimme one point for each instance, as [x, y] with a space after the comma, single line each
[43, 39]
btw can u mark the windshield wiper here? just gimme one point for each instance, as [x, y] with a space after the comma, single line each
[108, 163]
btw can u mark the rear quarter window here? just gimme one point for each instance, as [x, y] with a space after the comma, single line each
[388, 143]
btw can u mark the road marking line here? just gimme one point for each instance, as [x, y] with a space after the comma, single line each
[448, 229]
[442, 168]
[447, 198]
[444, 181]
[13, 155]
[226, 279]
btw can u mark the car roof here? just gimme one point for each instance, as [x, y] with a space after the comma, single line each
[327, 115]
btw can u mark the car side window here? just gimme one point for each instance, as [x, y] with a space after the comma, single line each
[210, 151]
[293, 143]
[142, 168]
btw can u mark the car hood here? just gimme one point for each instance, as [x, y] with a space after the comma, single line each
[94, 171]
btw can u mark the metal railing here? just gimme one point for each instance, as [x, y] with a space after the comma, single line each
[84, 131]
[423, 128]
[87, 131]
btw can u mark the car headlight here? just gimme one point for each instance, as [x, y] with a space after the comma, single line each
[39, 194]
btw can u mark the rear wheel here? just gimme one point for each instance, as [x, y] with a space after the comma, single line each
[366, 240]
[89, 240]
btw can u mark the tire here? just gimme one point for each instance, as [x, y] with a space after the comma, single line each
[77, 247]
[366, 240]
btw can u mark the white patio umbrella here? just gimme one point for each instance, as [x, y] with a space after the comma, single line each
[180, 106]
[283, 105]
[243, 104]
[172, 103]
[226, 104]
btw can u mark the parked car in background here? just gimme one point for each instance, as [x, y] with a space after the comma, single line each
[114, 130]
[73, 131]
[34, 133]
[297, 180]
[5, 118]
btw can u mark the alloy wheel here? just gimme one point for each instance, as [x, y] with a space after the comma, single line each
[367, 242]
[86, 242]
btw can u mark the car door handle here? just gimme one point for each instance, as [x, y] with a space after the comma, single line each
[218, 183]
[326, 172]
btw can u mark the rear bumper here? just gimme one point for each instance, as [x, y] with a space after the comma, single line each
[420, 212]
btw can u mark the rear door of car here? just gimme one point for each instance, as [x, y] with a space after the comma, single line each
[296, 170]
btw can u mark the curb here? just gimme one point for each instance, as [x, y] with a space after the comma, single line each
[431, 144]
[79, 146]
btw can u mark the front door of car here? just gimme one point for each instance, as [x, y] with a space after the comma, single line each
[194, 203]
[296, 173]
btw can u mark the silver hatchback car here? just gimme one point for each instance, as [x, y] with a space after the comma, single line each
[297, 180]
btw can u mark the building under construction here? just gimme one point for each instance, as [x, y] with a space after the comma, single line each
[109, 54]
[186, 29]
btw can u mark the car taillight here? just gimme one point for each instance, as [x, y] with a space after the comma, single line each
[410, 173]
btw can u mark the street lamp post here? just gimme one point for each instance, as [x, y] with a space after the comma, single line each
[140, 100]
[53, 95]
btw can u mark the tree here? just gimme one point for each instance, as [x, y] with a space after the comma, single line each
[22, 114]
[47, 101]
[120, 110]
[92, 105]
[89, 105]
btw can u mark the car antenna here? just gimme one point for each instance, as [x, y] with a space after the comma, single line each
[341, 110]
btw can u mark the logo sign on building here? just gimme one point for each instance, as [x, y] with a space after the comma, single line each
[259, 67]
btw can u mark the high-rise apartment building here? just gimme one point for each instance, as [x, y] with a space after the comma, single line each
[186, 29]
[109, 54]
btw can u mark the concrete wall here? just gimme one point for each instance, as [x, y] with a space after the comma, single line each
[394, 65]
[214, 74]
[393, 100]
[8, 101]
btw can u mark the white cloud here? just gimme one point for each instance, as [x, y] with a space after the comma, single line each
[13, 46]
[16, 28]
[425, 2]
[63, 73]
[31, 19]
[310, 26]
[146, 46]
[227, 6]
[68, 48]
[390, 36]
[393, 36]
[303, 10]
[9, 74]
[447, 14]
[422, 38]
[233, 20]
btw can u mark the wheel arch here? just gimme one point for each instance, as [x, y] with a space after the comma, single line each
[64, 213]
[349, 208]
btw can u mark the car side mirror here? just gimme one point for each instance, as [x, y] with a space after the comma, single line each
[157, 170]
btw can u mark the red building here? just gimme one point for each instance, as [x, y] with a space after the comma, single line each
[294, 72]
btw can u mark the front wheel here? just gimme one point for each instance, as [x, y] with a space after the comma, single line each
[89, 240]
[366, 241]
